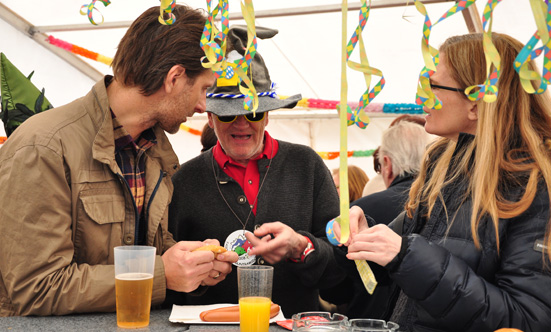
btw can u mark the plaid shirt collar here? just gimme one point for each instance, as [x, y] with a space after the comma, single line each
[122, 138]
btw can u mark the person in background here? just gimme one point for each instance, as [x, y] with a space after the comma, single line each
[95, 174]
[208, 138]
[266, 199]
[376, 183]
[356, 181]
[400, 157]
[473, 251]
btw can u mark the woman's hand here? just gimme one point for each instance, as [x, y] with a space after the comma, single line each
[358, 223]
[378, 244]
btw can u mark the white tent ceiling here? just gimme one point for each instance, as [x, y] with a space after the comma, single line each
[303, 58]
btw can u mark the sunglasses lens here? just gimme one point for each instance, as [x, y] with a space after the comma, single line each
[255, 117]
[227, 119]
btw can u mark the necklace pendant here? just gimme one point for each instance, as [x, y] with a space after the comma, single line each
[238, 243]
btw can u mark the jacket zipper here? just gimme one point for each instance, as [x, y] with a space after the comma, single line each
[153, 195]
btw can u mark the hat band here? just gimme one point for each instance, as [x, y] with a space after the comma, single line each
[225, 95]
[270, 93]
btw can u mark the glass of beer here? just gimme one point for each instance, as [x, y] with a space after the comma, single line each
[255, 297]
[134, 266]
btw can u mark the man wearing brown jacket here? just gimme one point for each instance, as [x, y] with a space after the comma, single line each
[78, 180]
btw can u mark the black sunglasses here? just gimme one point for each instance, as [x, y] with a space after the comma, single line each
[446, 88]
[251, 117]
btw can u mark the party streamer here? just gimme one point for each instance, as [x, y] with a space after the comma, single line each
[425, 96]
[487, 91]
[215, 54]
[542, 16]
[79, 50]
[353, 117]
[90, 10]
[166, 8]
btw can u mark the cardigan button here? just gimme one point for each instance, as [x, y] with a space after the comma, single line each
[129, 239]
[241, 199]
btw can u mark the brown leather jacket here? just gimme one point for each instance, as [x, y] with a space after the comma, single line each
[64, 206]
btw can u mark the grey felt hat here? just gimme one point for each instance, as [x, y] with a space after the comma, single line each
[237, 40]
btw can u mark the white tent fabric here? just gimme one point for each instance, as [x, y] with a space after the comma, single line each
[303, 58]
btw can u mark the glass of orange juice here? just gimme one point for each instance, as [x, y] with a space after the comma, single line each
[255, 297]
[134, 266]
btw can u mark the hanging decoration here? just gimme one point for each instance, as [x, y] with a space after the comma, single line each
[542, 17]
[487, 91]
[90, 10]
[425, 96]
[79, 50]
[355, 153]
[350, 117]
[190, 130]
[215, 54]
[166, 8]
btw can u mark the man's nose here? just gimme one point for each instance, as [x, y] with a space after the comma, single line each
[201, 105]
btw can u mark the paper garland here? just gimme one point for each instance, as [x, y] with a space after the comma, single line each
[79, 50]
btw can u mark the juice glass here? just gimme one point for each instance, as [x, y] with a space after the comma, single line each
[255, 294]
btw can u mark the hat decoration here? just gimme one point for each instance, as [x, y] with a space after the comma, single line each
[20, 99]
[215, 54]
[228, 95]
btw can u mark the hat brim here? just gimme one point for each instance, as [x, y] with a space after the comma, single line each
[234, 106]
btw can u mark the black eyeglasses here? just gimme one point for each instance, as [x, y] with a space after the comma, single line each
[251, 117]
[447, 88]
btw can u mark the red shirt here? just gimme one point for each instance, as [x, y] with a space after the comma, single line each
[247, 177]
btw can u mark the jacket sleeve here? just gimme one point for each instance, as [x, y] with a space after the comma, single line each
[321, 268]
[36, 245]
[450, 292]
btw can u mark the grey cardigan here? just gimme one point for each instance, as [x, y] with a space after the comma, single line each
[298, 191]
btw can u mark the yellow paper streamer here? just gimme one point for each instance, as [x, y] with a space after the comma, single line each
[364, 270]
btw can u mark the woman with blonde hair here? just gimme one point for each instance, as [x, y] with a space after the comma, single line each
[357, 179]
[473, 251]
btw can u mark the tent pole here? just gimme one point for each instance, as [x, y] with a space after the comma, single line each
[278, 12]
[28, 29]
[472, 19]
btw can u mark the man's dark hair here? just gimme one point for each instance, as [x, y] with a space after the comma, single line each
[149, 49]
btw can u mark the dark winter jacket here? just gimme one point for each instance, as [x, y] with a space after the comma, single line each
[450, 285]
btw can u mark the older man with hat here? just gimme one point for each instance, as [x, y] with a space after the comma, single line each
[266, 199]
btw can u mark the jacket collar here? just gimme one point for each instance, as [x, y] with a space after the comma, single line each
[103, 149]
[402, 178]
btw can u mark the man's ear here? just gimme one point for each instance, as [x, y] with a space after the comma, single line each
[173, 77]
[387, 165]
[211, 119]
